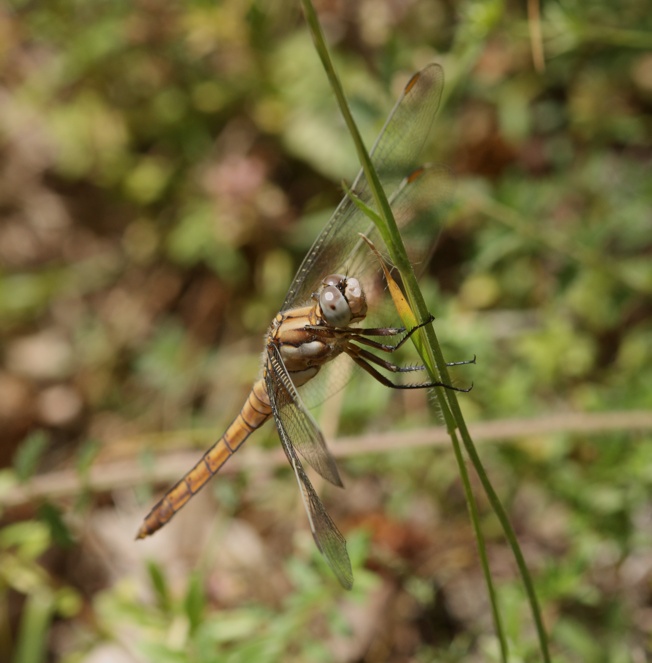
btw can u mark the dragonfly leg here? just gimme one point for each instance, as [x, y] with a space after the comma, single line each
[421, 367]
[388, 347]
[392, 331]
[363, 363]
[356, 331]
[461, 363]
[368, 356]
[359, 335]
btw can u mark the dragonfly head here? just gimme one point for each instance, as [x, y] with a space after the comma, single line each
[342, 300]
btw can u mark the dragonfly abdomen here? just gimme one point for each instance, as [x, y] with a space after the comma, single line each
[254, 413]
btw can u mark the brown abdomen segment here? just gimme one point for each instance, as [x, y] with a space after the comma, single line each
[254, 413]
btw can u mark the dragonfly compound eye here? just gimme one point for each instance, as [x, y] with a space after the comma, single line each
[355, 297]
[334, 307]
[334, 279]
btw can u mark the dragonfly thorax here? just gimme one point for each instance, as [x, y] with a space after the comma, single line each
[342, 300]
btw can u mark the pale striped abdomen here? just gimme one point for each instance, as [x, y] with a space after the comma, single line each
[254, 413]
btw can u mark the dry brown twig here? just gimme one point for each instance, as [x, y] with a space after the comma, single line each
[117, 475]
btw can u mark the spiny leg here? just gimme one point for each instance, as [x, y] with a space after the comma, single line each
[354, 351]
[461, 363]
[359, 335]
[401, 369]
[388, 383]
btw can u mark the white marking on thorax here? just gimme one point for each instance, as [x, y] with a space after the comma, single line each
[301, 377]
[305, 350]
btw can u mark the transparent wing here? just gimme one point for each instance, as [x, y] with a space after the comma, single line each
[328, 538]
[418, 206]
[394, 156]
[297, 424]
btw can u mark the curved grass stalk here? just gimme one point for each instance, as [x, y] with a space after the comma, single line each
[432, 356]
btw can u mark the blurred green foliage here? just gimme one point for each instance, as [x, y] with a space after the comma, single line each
[156, 161]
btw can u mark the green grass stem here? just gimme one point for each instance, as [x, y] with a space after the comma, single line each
[433, 359]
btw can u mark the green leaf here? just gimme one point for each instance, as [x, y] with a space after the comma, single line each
[32, 634]
[160, 586]
[51, 516]
[195, 601]
[28, 455]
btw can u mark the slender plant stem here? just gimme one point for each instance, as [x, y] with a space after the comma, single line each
[433, 357]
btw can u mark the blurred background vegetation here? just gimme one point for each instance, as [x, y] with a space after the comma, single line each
[164, 167]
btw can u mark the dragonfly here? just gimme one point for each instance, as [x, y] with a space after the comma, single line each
[338, 286]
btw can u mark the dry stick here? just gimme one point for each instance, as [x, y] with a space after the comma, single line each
[536, 40]
[116, 475]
